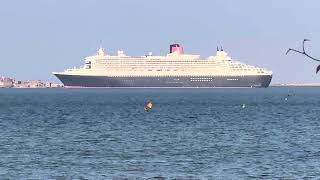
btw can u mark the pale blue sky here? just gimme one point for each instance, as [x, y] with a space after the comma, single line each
[38, 37]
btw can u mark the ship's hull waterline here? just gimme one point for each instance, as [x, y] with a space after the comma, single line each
[80, 81]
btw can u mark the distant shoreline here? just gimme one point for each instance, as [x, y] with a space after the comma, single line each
[296, 85]
[6, 82]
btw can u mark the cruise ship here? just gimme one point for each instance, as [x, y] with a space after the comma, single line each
[176, 69]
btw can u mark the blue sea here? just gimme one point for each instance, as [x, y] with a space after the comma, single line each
[271, 133]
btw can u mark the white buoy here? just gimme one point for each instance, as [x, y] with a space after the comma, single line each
[148, 106]
[243, 105]
[286, 99]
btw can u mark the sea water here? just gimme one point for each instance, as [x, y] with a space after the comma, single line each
[189, 134]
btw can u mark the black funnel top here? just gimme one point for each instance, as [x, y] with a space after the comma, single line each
[173, 45]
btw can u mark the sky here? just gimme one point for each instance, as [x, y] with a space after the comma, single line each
[38, 37]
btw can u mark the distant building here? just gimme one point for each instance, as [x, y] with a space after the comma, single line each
[6, 82]
[55, 85]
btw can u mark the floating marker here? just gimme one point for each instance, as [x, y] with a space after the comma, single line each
[286, 99]
[148, 106]
[243, 105]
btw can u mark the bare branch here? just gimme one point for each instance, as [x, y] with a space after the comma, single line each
[294, 51]
[303, 51]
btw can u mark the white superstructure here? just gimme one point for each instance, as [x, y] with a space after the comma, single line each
[173, 64]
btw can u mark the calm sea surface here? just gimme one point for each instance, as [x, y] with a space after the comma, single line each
[190, 134]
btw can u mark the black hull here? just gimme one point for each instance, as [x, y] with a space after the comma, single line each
[78, 81]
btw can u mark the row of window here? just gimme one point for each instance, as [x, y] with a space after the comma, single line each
[202, 80]
[154, 68]
[164, 67]
[168, 61]
[171, 76]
